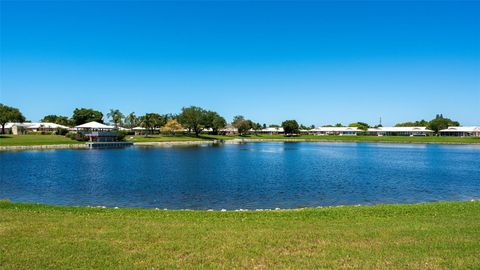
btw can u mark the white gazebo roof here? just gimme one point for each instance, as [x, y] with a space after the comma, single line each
[94, 125]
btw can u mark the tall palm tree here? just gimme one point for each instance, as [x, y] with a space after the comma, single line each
[131, 120]
[116, 116]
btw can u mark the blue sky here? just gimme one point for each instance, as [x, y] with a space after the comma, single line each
[317, 62]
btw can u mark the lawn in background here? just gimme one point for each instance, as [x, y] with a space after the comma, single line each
[14, 140]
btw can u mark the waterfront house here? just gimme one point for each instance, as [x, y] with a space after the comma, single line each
[97, 132]
[139, 130]
[272, 130]
[341, 131]
[45, 127]
[400, 131]
[229, 130]
[461, 131]
[23, 128]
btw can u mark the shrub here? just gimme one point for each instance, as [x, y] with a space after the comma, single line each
[121, 135]
[76, 136]
[61, 131]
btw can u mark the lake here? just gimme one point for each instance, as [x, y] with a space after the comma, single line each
[244, 176]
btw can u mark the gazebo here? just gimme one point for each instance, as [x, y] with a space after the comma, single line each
[97, 132]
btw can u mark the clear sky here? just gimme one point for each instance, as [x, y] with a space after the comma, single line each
[317, 62]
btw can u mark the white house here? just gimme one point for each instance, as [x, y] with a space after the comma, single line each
[342, 131]
[400, 131]
[22, 128]
[461, 131]
[272, 130]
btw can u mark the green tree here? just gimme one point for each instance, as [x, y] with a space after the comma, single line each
[290, 127]
[241, 124]
[57, 119]
[360, 125]
[83, 115]
[256, 127]
[214, 121]
[150, 121]
[131, 120]
[9, 114]
[194, 118]
[440, 123]
[51, 118]
[115, 116]
[421, 123]
[63, 120]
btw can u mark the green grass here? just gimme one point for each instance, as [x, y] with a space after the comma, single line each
[421, 236]
[14, 140]
[402, 139]
[176, 138]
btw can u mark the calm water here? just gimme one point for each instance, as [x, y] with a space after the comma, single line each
[248, 176]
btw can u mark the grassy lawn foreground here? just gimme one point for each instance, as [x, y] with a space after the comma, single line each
[13, 140]
[421, 236]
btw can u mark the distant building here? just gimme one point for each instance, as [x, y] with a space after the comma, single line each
[23, 128]
[341, 131]
[400, 131]
[461, 131]
[272, 130]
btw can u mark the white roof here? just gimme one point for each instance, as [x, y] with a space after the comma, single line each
[46, 125]
[138, 128]
[399, 129]
[334, 129]
[273, 129]
[462, 129]
[35, 125]
[229, 129]
[10, 125]
[94, 125]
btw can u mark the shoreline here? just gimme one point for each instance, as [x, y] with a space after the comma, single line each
[204, 142]
[61, 206]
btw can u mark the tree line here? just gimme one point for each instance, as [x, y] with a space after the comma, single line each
[194, 119]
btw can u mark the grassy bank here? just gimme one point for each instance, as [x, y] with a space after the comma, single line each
[422, 236]
[11, 140]
[14, 140]
[401, 139]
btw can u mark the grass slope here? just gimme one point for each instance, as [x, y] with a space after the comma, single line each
[13, 140]
[422, 236]
[402, 139]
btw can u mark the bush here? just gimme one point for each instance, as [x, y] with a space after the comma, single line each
[61, 131]
[76, 136]
[121, 135]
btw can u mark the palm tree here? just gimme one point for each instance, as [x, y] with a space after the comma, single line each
[116, 116]
[131, 120]
[148, 122]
